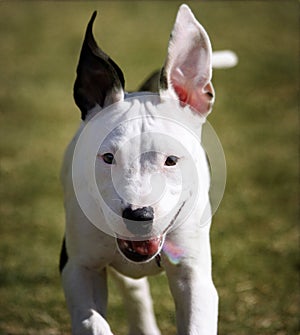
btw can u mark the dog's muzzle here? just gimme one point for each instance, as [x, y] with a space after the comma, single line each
[139, 222]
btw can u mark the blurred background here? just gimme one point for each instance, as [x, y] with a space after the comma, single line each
[254, 235]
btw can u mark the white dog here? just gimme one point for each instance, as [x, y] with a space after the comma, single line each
[136, 183]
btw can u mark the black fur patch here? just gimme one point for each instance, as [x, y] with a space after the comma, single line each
[151, 84]
[63, 256]
[97, 74]
[163, 79]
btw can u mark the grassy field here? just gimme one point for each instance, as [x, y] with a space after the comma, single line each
[254, 236]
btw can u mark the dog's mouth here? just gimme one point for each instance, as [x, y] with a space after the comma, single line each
[140, 251]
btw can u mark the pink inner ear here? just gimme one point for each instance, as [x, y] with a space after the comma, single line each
[181, 93]
[198, 100]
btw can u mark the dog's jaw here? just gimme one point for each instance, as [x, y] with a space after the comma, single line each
[140, 251]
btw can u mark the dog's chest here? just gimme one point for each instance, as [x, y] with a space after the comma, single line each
[136, 270]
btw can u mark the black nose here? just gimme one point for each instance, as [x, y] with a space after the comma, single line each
[138, 221]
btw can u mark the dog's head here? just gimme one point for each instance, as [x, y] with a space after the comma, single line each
[149, 164]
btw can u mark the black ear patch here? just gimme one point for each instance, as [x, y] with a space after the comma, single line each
[98, 76]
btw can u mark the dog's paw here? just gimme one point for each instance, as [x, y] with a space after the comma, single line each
[94, 325]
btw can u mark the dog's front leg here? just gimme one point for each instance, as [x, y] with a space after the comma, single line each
[196, 302]
[86, 295]
[191, 285]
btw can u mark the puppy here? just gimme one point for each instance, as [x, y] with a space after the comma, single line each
[136, 187]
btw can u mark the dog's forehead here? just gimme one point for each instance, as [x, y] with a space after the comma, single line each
[146, 133]
[146, 117]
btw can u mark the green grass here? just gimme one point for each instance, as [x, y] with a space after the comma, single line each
[254, 236]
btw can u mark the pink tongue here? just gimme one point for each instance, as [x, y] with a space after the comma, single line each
[148, 247]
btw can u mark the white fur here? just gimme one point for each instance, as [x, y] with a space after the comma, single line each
[91, 252]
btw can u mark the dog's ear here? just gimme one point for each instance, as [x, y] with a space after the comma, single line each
[99, 79]
[187, 72]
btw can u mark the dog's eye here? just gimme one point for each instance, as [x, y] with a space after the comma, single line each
[171, 161]
[108, 158]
